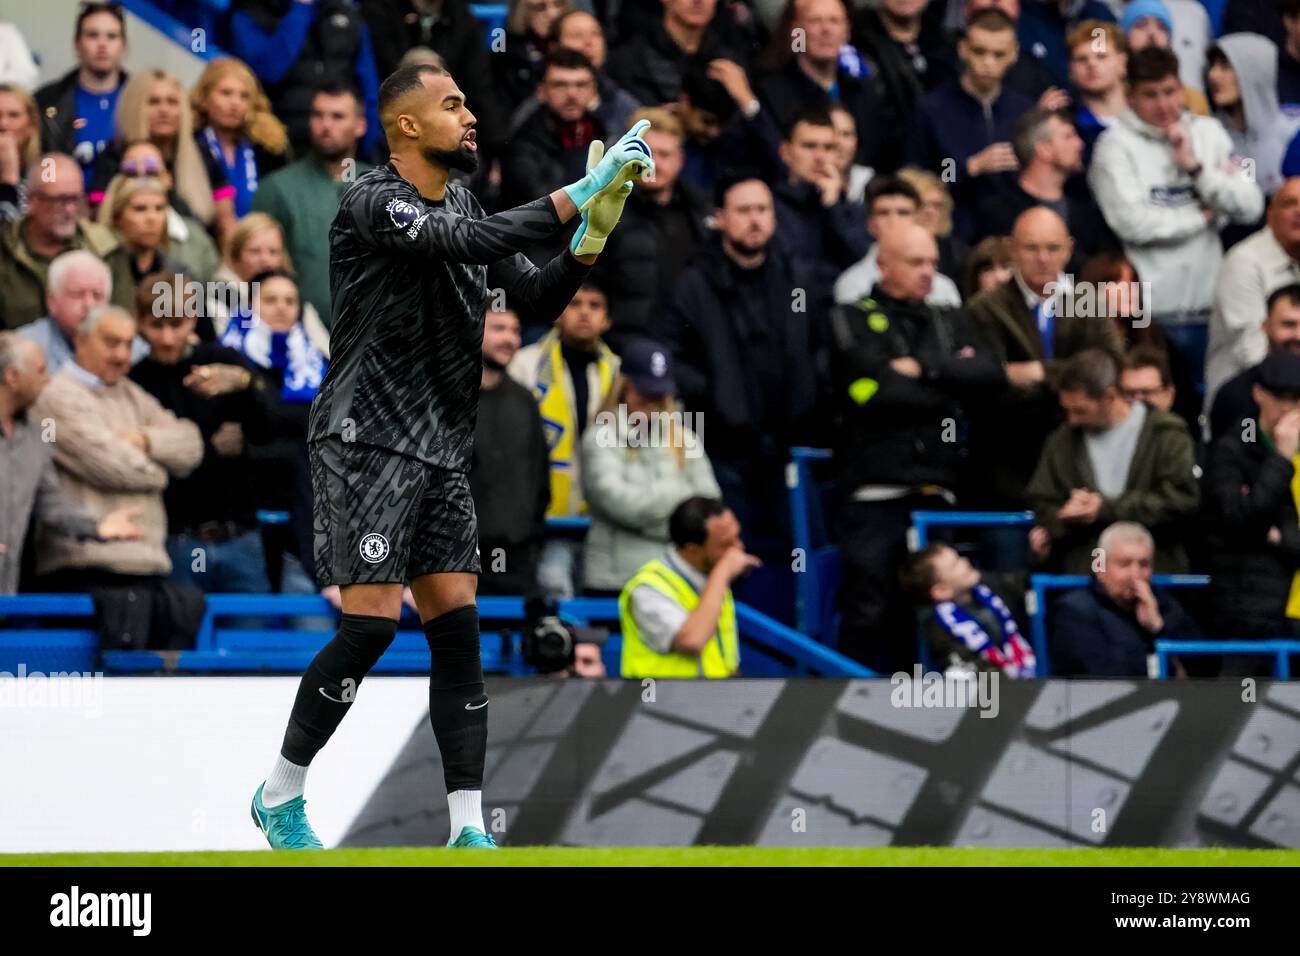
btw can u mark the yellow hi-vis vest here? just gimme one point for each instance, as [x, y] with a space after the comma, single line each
[720, 657]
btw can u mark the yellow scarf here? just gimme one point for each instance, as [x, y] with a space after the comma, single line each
[1293, 599]
[556, 407]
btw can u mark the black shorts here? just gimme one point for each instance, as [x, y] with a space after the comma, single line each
[383, 518]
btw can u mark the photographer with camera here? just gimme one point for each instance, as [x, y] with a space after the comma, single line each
[677, 612]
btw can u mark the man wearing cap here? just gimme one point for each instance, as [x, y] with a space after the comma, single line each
[677, 614]
[1254, 523]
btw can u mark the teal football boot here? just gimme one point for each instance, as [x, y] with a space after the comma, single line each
[285, 826]
[475, 838]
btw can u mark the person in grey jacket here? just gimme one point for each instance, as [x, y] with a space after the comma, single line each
[31, 487]
[640, 460]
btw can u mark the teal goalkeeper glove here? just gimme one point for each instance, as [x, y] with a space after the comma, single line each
[627, 158]
[603, 212]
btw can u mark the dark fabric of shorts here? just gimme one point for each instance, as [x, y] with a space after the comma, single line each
[383, 518]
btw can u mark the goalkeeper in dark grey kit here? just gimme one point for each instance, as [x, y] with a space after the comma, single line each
[412, 258]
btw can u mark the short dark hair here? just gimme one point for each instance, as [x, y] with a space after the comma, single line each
[813, 116]
[1030, 129]
[1092, 371]
[339, 87]
[1151, 64]
[706, 93]
[689, 522]
[1290, 292]
[729, 180]
[889, 186]
[403, 80]
[146, 296]
[917, 575]
[90, 9]
[565, 58]
[1289, 8]
[267, 274]
[1151, 356]
[991, 19]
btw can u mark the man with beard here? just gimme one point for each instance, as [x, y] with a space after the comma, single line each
[1234, 404]
[749, 358]
[511, 475]
[304, 196]
[391, 435]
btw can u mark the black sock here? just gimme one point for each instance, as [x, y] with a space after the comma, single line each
[330, 684]
[457, 702]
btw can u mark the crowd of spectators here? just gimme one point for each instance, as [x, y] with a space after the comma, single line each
[994, 254]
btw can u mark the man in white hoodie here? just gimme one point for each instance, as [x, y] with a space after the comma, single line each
[1165, 181]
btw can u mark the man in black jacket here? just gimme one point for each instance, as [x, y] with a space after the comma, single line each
[77, 109]
[903, 373]
[212, 533]
[1234, 405]
[550, 147]
[450, 29]
[809, 76]
[650, 65]
[663, 227]
[1108, 629]
[909, 55]
[1250, 508]
[509, 477]
[816, 222]
[744, 325]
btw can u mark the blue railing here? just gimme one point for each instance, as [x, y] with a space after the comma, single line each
[1279, 650]
[923, 521]
[290, 648]
[816, 585]
[1036, 599]
[177, 20]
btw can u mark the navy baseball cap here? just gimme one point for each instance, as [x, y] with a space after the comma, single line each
[650, 367]
[1279, 374]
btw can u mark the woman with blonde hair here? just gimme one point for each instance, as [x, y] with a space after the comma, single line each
[235, 126]
[187, 241]
[20, 147]
[935, 214]
[256, 246]
[640, 460]
[137, 213]
[152, 107]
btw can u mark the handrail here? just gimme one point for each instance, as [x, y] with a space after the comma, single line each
[1282, 649]
[922, 521]
[755, 626]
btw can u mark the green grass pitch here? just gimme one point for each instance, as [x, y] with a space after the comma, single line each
[678, 856]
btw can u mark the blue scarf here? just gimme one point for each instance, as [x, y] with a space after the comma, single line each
[1011, 654]
[291, 352]
[242, 175]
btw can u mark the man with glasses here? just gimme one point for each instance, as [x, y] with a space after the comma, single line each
[550, 147]
[1146, 378]
[77, 109]
[54, 224]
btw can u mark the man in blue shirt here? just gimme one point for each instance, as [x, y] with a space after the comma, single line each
[77, 109]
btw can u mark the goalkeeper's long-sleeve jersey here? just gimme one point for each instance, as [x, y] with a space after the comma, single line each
[410, 278]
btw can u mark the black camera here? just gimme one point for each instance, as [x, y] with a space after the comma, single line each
[549, 642]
